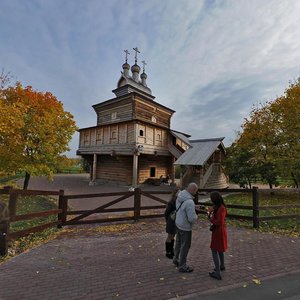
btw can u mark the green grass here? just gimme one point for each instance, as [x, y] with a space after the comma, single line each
[289, 227]
[6, 179]
[76, 169]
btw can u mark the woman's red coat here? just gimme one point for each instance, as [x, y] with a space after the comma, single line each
[219, 235]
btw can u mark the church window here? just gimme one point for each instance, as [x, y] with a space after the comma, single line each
[158, 137]
[113, 135]
[141, 132]
[99, 136]
[152, 171]
[114, 115]
[86, 139]
[153, 119]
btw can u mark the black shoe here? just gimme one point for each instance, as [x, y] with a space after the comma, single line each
[215, 275]
[186, 269]
[175, 262]
[169, 255]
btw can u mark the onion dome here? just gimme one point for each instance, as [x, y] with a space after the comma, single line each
[135, 69]
[126, 68]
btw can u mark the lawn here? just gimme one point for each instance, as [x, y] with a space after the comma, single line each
[266, 199]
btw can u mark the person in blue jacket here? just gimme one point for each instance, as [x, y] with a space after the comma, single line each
[185, 218]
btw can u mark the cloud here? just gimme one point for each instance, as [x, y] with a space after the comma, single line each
[208, 60]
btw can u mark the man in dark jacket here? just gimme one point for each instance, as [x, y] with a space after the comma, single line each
[185, 218]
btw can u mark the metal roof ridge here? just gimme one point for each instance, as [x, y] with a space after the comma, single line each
[208, 140]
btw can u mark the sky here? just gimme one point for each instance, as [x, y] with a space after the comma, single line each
[210, 61]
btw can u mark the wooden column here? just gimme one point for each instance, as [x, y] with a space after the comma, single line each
[201, 183]
[173, 170]
[94, 169]
[135, 170]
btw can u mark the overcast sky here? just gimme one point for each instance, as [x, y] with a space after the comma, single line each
[210, 61]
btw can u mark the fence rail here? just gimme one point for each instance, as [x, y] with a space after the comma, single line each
[6, 235]
[76, 217]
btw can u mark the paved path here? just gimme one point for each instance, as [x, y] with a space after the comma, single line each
[98, 262]
[89, 264]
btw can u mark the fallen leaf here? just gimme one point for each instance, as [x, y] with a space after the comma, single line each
[161, 278]
[256, 281]
[245, 285]
[279, 292]
[183, 277]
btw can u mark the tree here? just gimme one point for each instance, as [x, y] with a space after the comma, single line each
[286, 110]
[272, 135]
[34, 131]
[240, 165]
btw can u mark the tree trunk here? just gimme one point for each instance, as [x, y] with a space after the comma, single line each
[295, 180]
[26, 181]
[249, 183]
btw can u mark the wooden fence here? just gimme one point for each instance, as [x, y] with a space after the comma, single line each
[134, 207]
[14, 194]
[256, 207]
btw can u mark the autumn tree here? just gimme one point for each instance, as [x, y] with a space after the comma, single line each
[272, 135]
[286, 111]
[34, 131]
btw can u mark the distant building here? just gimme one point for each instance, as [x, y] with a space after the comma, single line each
[133, 143]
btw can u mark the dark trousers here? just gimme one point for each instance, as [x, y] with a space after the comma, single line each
[182, 246]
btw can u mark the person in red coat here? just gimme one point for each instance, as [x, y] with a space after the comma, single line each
[218, 243]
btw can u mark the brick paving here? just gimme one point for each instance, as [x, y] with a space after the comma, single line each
[130, 264]
[87, 263]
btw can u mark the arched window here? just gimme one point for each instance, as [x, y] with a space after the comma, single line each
[141, 132]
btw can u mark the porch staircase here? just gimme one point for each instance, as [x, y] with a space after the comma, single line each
[214, 178]
[217, 179]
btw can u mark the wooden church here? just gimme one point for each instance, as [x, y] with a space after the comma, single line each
[133, 142]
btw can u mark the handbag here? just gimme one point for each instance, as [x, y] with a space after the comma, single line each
[173, 213]
[212, 227]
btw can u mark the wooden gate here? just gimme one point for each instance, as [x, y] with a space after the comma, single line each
[135, 207]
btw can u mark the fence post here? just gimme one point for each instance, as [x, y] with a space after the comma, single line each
[4, 227]
[12, 204]
[255, 204]
[137, 204]
[63, 205]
